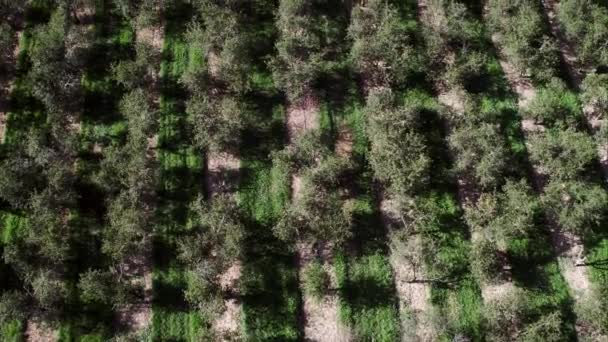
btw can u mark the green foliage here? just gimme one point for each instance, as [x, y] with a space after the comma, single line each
[510, 214]
[584, 22]
[384, 46]
[318, 213]
[398, 154]
[578, 206]
[565, 154]
[523, 34]
[480, 151]
[6, 38]
[366, 285]
[13, 308]
[138, 72]
[316, 280]
[217, 124]
[505, 315]
[554, 104]
[595, 92]
[98, 287]
[270, 300]
[485, 263]
[12, 331]
[593, 310]
[299, 48]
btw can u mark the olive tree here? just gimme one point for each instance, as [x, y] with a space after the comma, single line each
[216, 123]
[398, 149]
[564, 154]
[13, 306]
[553, 104]
[127, 229]
[299, 48]
[578, 206]
[585, 25]
[384, 45]
[319, 212]
[216, 242]
[98, 287]
[595, 93]
[501, 216]
[522, 31]
[226, 44]
[481, 151]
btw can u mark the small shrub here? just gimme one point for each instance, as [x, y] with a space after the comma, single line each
[316, 280]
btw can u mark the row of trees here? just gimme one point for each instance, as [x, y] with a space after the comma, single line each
[524, 36]
[586, 27]
[216, 114]
[565, 151]
[38, 173]
[502, 206]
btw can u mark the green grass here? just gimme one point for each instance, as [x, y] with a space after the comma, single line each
[367, 301]
[269, 284]
[12, 331]
[178, 184]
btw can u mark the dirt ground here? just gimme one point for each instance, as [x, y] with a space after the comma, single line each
[321, 320]
[36, 331]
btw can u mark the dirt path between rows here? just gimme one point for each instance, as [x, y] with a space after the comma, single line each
[568, 247]
[577, 73]
[321, 322]
[414, 295]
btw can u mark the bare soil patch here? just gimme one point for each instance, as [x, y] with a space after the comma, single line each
[321, 319]
[137, 269]
[344, 143]
[302, 116]
[522, 85]
[226, 326]
[222, 172]
[38, 331]
[414, 294]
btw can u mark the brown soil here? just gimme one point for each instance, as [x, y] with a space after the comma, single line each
[138, 271]
[414, 294]
[37, 331]
[344, 143]
[521, 84]
[226, 326]
[321, 319]
[492, 292]
[222, 172]
[302, 116]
